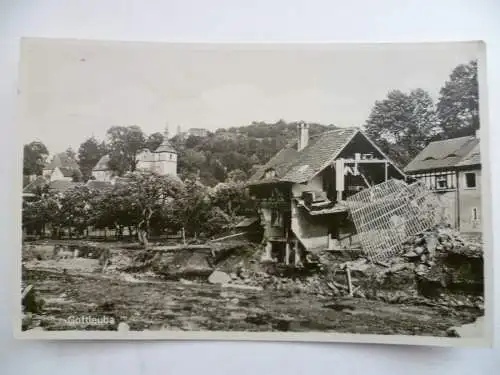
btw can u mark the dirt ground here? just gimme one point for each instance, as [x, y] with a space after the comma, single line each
[76, 286]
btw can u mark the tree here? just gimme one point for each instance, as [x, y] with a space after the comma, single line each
[232, 198]
[76, 176]
[154, 141]
[34, 158]
[144, 194]
[191, 162]
[236, 175]
[458, 104]
[192, 207]
[75, 209]
[124, 144]
[40, 210]
[114, 209]
[403, 121]
[71, 153]
[89, 154]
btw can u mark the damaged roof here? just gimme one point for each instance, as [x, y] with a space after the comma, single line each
[444, 154]
[295, 166]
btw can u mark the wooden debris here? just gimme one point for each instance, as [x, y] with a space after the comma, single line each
[227, 237]
[349, 281]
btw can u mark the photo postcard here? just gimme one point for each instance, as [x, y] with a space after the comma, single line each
[280, 192]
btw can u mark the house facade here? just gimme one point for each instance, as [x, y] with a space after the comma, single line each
[101, 171]
[163, 161]
[198, 132]
[452, 170]
[301, 190]
[61, 168]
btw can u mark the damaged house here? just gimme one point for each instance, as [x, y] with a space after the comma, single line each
[302, 190]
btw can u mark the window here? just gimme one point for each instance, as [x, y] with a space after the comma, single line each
[470, 180]
[441, 182]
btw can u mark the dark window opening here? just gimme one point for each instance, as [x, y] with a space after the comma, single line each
[470, 180]
[442, 183]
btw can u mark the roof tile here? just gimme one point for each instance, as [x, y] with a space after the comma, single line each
[299, 166]
[442, 154]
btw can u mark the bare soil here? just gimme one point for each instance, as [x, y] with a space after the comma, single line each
[76, 287]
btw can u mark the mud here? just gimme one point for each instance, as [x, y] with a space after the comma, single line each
[138, 288]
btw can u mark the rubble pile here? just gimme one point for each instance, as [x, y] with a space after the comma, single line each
[437, 264]
[171, 265]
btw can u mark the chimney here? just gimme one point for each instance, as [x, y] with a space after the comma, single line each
[303, 135]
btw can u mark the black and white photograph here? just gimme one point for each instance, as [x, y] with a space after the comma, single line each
[280, 192]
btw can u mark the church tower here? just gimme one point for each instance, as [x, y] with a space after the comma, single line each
[165, 157]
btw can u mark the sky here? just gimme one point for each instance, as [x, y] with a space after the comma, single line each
[71, 90]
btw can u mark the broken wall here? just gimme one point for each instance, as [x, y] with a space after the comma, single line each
[311, 232]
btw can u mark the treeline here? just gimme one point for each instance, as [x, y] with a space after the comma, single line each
[403, 123]
[144, 203]
[236, 151]
[225, 154]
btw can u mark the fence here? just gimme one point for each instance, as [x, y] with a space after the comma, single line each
[388, 214]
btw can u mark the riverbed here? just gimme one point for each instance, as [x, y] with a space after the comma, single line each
[147, 303]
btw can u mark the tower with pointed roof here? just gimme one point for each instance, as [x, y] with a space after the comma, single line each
[165, 157]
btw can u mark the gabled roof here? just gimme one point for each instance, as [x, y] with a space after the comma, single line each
[102, 164]
[442, 154]
[300, 166]
[33, 186]
[62, 160]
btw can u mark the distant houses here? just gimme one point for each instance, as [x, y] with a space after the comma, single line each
[163, 161]
[197, 132]
[63, 172]
[62, 167]
[60, 174]
[452, 169]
